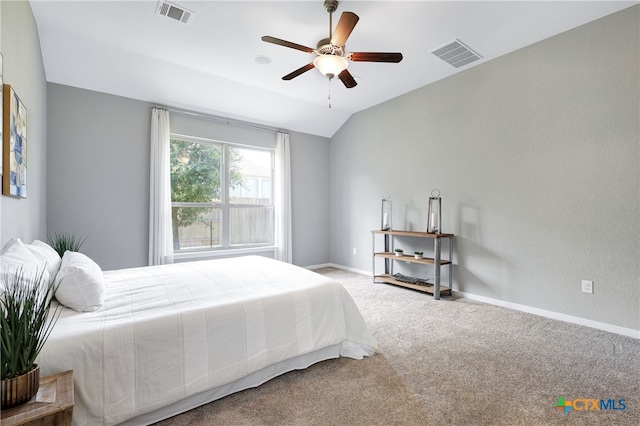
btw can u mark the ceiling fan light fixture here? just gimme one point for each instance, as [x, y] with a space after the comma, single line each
[330, 65]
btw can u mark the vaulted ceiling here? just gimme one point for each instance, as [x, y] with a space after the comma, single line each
[217, 63]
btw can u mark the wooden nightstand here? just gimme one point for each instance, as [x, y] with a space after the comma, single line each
[52, 405]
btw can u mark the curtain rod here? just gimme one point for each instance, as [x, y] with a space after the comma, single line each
[227, 121]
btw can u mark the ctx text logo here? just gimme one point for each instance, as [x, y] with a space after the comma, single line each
[589, 404]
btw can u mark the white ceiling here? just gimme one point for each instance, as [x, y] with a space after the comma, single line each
[124, 48]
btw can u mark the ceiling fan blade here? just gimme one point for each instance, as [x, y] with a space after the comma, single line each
[286, 43]
[346, 78]
[347, 22]
[375, 57]
[299, 71]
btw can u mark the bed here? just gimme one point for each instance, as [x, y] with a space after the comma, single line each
[170, 338]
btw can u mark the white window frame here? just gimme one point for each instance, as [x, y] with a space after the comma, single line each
[225, 249]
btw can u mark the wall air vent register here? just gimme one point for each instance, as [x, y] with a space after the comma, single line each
[174, 11]
[456, 53]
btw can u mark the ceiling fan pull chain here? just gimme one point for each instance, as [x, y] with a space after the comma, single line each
[329, 97]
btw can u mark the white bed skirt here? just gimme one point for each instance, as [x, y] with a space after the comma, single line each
[251, 381]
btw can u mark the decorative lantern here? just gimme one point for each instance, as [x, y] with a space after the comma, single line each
[385, 217]
[435, 212]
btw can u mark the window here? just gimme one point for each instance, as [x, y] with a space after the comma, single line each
[221, 195]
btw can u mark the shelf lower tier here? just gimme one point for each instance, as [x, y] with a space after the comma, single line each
[428, 288]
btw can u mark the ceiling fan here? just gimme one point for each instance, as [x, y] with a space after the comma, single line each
[331, 58]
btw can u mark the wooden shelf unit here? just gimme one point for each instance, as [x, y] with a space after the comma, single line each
[388, 254]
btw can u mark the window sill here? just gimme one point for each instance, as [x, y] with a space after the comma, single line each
[212, 254]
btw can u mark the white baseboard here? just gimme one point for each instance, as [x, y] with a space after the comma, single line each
[323, 265]
[629, 332]
[350, 269]
[333, 265]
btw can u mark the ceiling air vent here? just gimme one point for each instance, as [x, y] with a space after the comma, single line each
[456, 53]
[174, 11]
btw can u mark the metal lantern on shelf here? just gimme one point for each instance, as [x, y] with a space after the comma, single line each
[385, 216]
[435, 213]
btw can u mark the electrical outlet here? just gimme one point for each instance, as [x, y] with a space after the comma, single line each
[587, 286]
[354, 251]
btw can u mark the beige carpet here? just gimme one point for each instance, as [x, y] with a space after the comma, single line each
[452, 361]
[331, 392]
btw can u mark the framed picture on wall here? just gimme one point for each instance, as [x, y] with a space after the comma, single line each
[14, 144]
[1, 114]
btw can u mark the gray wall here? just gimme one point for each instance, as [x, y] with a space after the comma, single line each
[98, 175]
[537, 158]
[310, 199]
[24, 71]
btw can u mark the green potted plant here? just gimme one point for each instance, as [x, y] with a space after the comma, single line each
[62, 242]
[417, 254]
[26, 321]
[399, 252]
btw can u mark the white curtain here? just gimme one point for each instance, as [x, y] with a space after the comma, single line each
[160, 231]
[282, 199]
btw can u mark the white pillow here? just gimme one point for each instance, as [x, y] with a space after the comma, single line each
[16, 252]
[46, 254]
[9, 244]
[80, 284]
[15, 258]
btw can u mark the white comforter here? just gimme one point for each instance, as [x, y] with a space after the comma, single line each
[168, 332]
